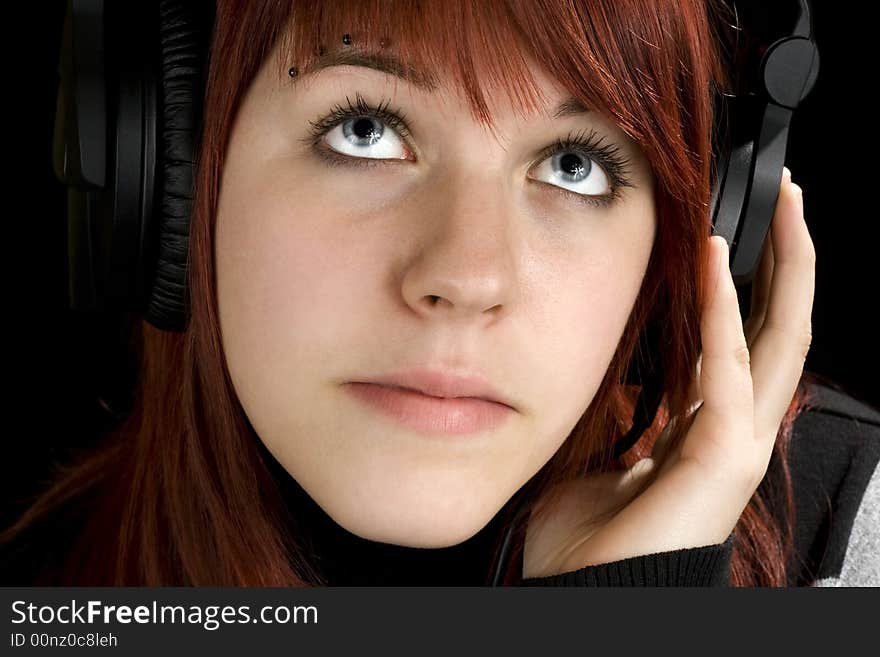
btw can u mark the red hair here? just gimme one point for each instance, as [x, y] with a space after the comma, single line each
[182, 493]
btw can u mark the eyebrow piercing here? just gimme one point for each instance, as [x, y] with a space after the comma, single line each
[293, 71]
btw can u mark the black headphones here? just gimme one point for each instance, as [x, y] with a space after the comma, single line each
[128, 123]
[775, 67]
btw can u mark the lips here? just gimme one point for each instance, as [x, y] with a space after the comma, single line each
[437, 383]
[431, 415]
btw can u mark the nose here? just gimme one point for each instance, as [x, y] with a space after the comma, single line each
[465, 265]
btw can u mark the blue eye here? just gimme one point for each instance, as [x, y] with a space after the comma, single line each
[580, 165]
[596, 171]
[366, 137]
[360, 132]
[568, 167]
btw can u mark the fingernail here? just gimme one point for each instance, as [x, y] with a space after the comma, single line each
[799, 195]
[725, 257]
[718, 274]
[786, 174]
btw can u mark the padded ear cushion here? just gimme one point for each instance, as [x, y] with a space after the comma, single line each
[184, 34]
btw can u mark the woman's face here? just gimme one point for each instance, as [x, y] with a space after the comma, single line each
[459, 252]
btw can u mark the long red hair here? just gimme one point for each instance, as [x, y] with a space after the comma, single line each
[180, 492]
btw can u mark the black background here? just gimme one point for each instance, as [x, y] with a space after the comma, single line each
[53, 360]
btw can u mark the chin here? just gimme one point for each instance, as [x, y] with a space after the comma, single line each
[414, 526]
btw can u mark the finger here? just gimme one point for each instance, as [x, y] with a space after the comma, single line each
[761, 284]
[760, 295]
[781, 345]
[662, 451]
[764, 275]
[725, 377]
[760, 291]
[694, 394]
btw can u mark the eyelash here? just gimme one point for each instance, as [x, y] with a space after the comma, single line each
[584, 142]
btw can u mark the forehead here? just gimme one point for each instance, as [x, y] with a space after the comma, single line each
[545, 95]
[480, 52]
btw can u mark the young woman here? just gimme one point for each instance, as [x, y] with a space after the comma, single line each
[398, 203]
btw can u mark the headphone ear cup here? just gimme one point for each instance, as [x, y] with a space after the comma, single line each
[184, 36]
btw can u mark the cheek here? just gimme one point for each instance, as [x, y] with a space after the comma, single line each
[286, 284]
[589, 331]
[597, 316]
[584, 313]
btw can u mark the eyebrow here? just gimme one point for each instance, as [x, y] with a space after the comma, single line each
[423, 80]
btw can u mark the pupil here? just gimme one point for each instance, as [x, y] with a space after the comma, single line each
[572, 164]
[365, 129]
